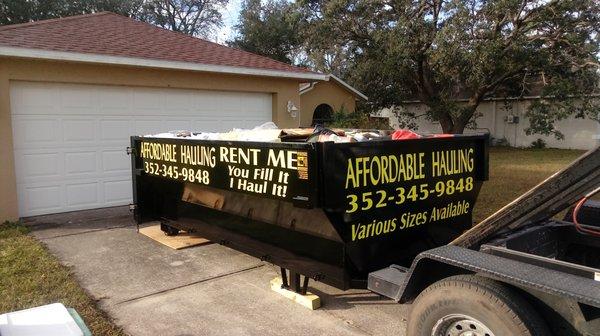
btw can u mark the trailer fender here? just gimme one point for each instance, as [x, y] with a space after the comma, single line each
[436, 264]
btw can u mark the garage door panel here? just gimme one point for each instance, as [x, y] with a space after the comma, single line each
[253, 122]
[179, 102]
[38, 99]
[117, 192]
[37, 165]
[171, 125]
[36, 200]
[82, 194]
[80, 163]
[229, 108]
[148, 126]
[146, 101]
[79, 130]
[70, 139]
[77, 99]
[114, 98]
[206, 103]
[115, 161]
[257, 104]
[115, 129]
[34, 131]
[208, 125]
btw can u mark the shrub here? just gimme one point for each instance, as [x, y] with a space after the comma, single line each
[538, 144]
[358, 119]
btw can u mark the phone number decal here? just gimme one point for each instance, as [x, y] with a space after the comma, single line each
[186, 174]
[381, 198]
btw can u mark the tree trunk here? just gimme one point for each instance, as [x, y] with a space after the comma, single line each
[458, 128]
[447, 124]
[458, 125]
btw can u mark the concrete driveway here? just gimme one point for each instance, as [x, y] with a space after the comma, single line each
[150, 289]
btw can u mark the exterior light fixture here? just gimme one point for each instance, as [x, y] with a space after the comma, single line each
[292, 109]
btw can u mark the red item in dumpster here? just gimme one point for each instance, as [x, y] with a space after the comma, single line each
[404, 135]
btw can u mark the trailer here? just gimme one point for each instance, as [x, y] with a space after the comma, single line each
[391, 216]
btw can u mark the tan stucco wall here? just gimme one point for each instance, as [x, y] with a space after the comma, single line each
[329, 93]
[8, 185]
[283, 90]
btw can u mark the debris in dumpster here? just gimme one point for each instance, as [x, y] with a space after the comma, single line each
[322, 134]
[404, 135]
[269, 132]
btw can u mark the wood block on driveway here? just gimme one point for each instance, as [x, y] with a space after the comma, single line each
[178, 242]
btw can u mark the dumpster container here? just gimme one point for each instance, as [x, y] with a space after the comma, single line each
[331, 211]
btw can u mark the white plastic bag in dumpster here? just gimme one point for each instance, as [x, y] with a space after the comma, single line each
[50, 320]
[267, 132]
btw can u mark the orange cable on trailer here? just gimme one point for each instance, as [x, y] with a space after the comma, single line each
[579, 226]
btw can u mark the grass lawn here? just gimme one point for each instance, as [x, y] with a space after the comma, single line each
[30, 276]
[514, 171]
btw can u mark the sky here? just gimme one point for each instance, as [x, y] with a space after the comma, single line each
[230, 16]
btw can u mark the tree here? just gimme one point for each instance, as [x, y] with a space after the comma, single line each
[440, 51]
[21, 11]
[271, 29]
[192, 17]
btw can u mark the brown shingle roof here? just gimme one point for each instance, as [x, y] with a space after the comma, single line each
[110, 34]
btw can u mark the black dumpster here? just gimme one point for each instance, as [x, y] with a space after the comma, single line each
[330, 211]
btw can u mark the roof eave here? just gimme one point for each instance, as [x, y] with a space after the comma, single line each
[151, 63]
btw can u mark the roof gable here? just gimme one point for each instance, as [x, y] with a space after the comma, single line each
[112, 35]
[305, 87]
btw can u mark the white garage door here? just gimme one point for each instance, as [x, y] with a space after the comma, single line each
[70, 139]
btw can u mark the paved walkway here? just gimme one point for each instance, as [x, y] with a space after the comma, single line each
[150, 289]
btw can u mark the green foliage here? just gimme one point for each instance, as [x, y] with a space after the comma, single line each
[357, 120]
[543, 113]
[30, 276]
[538, 144]
[20, 11]
[12, 229]
[268, 28]
[193, 17]
[440, 51]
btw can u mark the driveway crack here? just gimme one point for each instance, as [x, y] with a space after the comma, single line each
[84, 232]
[216, 277]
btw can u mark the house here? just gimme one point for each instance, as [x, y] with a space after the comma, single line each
[324, 98]
[506, 121]
[73, 90]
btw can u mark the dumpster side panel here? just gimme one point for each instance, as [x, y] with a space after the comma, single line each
[338, 210]
[391, 200]
[259, 198]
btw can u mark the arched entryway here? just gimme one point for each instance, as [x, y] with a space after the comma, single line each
[322, 115]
